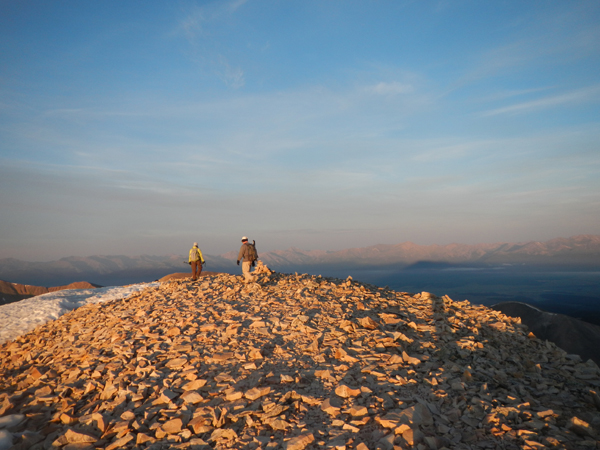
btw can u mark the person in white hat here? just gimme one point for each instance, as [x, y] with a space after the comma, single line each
[196, 260]
[249, 255]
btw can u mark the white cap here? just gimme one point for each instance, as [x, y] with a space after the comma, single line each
[244, 238]
[195, 244]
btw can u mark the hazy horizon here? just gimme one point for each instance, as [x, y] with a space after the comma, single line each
[182, 252]
[138, 129]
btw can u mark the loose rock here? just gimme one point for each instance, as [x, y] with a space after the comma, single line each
[292, 362]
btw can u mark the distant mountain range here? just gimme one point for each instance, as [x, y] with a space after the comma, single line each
[103, 270]
[14, 292]
[579, 251]
[583, 250]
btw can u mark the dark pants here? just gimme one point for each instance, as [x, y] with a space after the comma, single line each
[196, 269]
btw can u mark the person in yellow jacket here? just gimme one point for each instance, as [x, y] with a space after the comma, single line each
[196, 260]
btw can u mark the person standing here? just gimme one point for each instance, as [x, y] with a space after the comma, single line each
[196, 260]
[249, 255]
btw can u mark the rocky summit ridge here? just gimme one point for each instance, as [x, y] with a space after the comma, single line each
[292, 362]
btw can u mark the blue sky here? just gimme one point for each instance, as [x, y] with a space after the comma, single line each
[139, 127]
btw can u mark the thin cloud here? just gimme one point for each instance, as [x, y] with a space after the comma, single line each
[503, 95]
[449, 152]
[204, 50]
[192, 25]
[392, 88]
[550, 40]
[66, 112]
[235, 5]
[585, 95]
[232, 76]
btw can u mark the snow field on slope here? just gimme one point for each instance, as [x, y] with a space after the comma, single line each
[21, 317]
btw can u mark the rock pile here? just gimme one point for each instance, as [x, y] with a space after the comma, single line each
[185, 275]
[292, 362]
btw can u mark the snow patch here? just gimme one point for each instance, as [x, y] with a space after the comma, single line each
[21, 317]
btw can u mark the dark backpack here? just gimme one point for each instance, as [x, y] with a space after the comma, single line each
[252, 255]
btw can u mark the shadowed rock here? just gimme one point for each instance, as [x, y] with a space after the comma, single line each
[572, 335]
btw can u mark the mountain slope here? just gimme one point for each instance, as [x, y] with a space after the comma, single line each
[293, 362]
[573, 335]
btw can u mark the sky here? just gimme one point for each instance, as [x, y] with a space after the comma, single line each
[139, 127]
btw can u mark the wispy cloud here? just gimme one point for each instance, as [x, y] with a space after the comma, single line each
[232, 76]
[587, 95]
[510, 93]
[450, 152]
[390, 88]
[191, 25]
[198, 27]
[234, 5]
[198, 19]
[550, 39]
